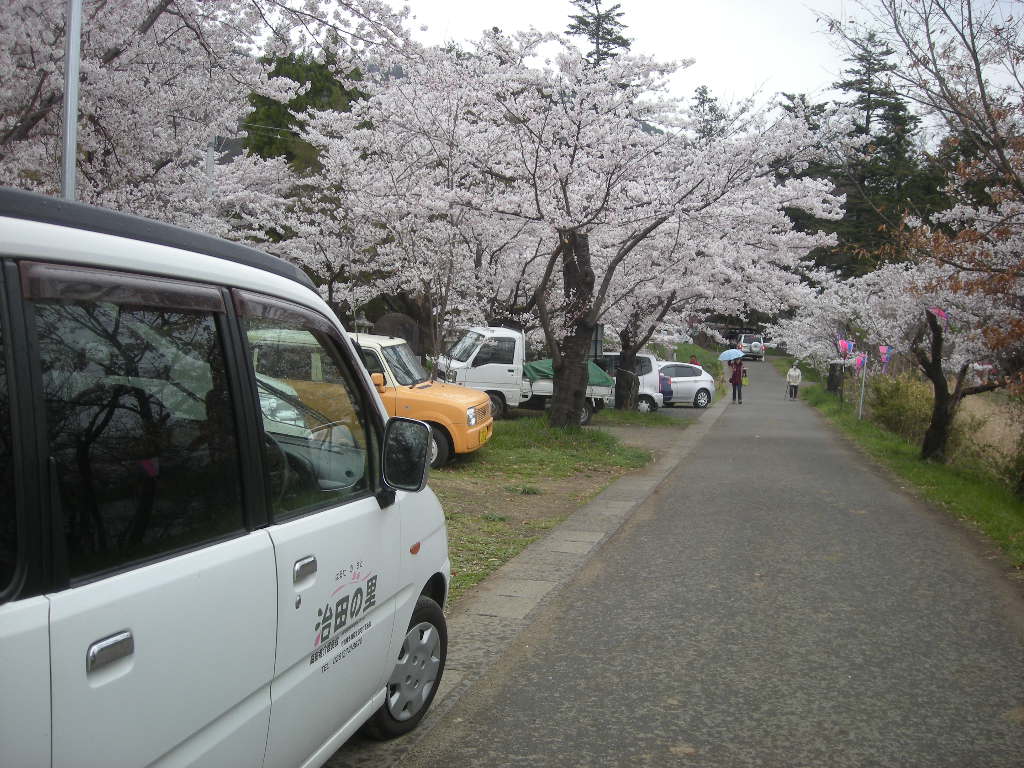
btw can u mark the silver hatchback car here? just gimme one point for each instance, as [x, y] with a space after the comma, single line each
[686, 384]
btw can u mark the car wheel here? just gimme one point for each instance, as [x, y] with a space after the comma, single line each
[440, 451]
[646, 404]
[417, 673]
[702, 399]
[497, 405]
[586, 413]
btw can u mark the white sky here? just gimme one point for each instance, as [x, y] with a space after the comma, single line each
[740, 46]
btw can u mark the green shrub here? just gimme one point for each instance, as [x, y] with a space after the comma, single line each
[901, 404]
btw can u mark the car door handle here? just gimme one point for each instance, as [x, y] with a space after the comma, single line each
[511, 370]
[108, 650]
[303, 568]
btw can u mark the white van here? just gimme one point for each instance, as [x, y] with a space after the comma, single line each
[203, 562]
[645, 366]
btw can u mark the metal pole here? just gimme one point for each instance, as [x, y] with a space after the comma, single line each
[72, 52]
[209, 166]
[863, 378]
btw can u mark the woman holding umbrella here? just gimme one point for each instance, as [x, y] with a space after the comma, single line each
[734, 358]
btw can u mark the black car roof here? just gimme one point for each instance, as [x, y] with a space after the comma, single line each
[18, 204]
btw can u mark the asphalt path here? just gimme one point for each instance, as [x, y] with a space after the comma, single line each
[777, 601]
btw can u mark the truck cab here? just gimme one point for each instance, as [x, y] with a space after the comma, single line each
[493, 360]
[490, 360]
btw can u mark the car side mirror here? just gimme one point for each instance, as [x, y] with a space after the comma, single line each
[378, 381]
[406, 454]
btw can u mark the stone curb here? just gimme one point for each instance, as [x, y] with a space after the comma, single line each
[487, 621]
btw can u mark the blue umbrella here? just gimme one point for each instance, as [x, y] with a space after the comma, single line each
[730, 354]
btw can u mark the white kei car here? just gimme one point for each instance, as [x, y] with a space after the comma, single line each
[203, 561]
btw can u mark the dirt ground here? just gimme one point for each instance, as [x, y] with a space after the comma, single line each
[540, 500]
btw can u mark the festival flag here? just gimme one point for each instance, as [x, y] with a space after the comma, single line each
[941, 314]
[886, 352]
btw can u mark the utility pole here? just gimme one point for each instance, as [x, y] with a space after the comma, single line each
[209, 165]
[72, 54]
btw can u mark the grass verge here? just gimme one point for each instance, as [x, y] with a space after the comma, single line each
[609, 417]
[969, 495]
[528, 479]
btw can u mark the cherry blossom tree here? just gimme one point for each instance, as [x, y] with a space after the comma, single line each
[913, 308]
[389, 206]
[960, 63]
[163, 82]
[578, 157]
[487, 171]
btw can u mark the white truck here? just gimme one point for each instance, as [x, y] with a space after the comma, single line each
[493, 360]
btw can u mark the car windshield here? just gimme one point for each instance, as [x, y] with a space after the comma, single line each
[748, 337]
[404, 365]
[464, 348]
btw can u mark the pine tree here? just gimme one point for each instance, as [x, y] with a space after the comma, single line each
[884, 179]
[272, 129]
[710, 120]
[601, 27]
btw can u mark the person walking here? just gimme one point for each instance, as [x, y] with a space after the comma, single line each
[793, 378]
[695, 361]
[736, 379]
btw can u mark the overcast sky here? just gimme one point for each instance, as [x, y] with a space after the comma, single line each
[740, 46]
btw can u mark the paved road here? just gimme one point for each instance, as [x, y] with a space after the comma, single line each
[776, 602]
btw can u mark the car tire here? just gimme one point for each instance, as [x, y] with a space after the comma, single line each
[413, 682]
[646, 404]
[497, 406]
[586, 414]
[702, 399]
[440, 448]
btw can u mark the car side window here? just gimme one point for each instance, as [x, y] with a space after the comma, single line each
[316, 443]
[139, 419]
[8, 509]
[372, 361]
[670, 370]
[281, 360]
[688, 371]
[643, 366]
[504, 351]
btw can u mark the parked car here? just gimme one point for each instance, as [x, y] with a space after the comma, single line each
[752, 346]
[213, 551]
[493, 360]
[460, 419]
[646, 366]
[685, 384]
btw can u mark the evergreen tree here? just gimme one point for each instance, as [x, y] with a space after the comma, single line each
[884, 179]
[710, 120]
[272, 128]
[601, 27]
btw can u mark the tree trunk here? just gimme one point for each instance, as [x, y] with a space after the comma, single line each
[627, 385]
[571, 376]
[570, 362]
[937, 435]
[944, 406]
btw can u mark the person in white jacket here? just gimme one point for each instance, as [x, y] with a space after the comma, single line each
[793, 378]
